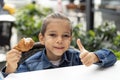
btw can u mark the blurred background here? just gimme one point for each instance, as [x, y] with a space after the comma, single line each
[95, 22]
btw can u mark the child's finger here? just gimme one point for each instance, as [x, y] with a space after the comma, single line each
[82, 55]
[81, 47]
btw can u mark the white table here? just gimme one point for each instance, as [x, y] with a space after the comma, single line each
[82, 72]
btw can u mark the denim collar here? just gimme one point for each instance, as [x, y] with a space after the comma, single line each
[47, 64]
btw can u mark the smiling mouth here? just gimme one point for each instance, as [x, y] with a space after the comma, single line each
[59, 47]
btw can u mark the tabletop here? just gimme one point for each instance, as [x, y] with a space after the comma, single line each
[81, 72]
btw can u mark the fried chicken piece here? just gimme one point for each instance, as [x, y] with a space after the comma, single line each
[24, 44]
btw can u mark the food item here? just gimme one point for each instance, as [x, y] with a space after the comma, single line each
[24, 44]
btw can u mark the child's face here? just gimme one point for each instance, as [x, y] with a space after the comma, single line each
[57, 38]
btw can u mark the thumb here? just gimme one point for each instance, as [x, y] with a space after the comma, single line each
[83, 51]
[81, 47]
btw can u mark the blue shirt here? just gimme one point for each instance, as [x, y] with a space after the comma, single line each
[39, 60]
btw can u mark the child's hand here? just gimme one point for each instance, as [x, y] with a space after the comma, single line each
[87, 58]
[12, 59]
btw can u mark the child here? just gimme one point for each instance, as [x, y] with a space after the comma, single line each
[56, 35]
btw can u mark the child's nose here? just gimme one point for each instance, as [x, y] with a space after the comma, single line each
[59, 40]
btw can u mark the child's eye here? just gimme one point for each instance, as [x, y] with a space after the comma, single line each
[66, 36]
[52, 35]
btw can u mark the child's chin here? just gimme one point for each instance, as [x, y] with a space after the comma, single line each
[59, 54]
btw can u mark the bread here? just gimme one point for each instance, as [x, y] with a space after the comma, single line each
[25, 44]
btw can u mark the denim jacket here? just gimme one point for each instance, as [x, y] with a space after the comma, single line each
[39, 60]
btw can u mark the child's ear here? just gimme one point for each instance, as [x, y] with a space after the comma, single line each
[41, 38]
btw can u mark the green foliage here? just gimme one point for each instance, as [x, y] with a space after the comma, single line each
[116, 42]
[76, 33]
[117, 54]
[104, 36]
[106, 31]
[29, 20]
